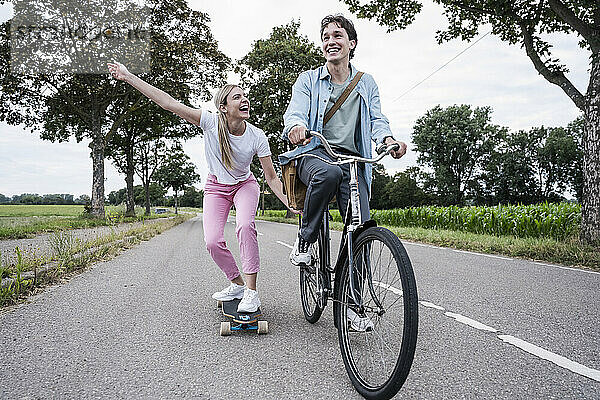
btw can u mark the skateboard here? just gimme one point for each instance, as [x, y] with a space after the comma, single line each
[241, 321]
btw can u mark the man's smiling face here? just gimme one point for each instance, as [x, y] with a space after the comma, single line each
[336, 44]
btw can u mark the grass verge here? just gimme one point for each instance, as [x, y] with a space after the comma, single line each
[69, 256]
[568, 252]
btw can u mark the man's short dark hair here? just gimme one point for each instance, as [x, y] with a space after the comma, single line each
[342, 22]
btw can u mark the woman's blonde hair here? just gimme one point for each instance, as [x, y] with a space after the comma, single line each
[224, 144]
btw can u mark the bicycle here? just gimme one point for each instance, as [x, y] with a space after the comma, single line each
[373, 277]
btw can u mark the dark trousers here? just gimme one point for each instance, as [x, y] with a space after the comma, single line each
[325, 181]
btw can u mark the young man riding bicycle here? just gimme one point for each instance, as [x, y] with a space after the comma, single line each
[350, 130]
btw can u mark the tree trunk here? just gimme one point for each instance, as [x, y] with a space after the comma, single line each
[97, 146]
[590, 205]
[130, 171]
[176, 202]
[147, 196]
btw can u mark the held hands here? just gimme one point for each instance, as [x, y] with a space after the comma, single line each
[118, 70]
[396, 153]
[297, 135]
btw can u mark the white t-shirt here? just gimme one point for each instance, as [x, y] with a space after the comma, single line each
[243, 148]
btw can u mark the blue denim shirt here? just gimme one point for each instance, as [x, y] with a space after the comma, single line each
[310, 95]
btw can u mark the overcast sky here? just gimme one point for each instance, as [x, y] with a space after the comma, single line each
[491, 73]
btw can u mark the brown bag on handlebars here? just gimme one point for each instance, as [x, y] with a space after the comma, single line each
[293, 187]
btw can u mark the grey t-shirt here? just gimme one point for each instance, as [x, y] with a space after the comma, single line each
[344, 125]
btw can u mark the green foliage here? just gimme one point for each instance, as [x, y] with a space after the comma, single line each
[396, 14]
[533, 166]
[22, 221]
[177, 172]
[156, 192]
[192, 197]
[507, 18]
[476, 162]
[398, 191]
[30, 198]
[452, 142]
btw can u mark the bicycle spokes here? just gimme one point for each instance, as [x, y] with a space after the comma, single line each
[383, 334]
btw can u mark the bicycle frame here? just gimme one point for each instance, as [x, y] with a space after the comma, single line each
[353, 224]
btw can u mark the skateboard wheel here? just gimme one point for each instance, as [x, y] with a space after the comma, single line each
[225, 329]
[263, 327]
[219, 304]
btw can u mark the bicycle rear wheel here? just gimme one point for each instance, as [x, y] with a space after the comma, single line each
[311, 284]
[378, 355]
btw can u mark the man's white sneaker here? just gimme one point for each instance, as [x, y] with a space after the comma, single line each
[233, 291]
[358, 323]
[301, 252]
[250, 302]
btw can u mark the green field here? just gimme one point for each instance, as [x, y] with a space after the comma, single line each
[40, 211]
[22, 221]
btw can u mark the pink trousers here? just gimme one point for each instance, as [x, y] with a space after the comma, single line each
[218, 199]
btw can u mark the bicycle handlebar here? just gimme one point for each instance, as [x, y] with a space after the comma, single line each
[382, 150]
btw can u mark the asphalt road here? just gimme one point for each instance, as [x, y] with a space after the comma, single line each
[143, 326]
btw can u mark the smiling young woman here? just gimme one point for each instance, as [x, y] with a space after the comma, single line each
[230, 145]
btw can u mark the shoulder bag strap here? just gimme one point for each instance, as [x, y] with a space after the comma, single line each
[343, 97]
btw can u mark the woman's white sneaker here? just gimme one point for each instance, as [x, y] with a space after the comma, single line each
[233, 291]
[250, 302]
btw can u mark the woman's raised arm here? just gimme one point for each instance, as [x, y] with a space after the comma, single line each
[163, 99]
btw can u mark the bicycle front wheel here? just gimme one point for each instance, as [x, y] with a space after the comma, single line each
[377, 340]
[312, 284]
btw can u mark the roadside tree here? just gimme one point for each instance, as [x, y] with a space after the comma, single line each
[177, 172]
[452, 142]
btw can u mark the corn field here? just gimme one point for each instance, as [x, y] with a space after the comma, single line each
[558, 221]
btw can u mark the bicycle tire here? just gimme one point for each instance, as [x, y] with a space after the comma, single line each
[312, 302]
[395, 331]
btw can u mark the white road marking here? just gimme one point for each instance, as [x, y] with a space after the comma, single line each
[575, 269]
[259, 234]
[289, 246]
[388, 287]
[552, 357]
[482, 254]
[539, 352]
[431, 305]
[471, 322]
[423, 245]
